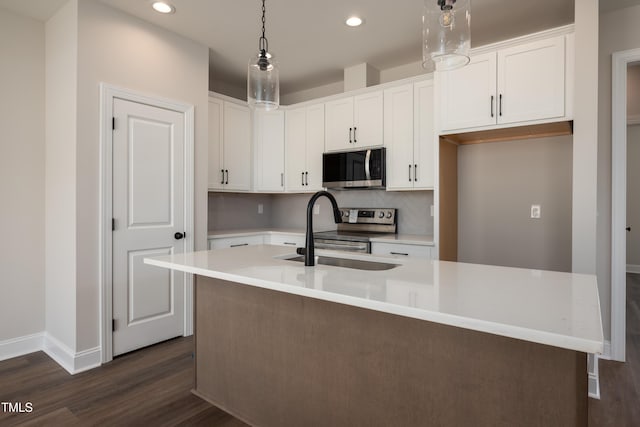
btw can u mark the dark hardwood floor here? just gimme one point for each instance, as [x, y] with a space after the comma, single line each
[149, 387]
[620, 382]
[152, 387]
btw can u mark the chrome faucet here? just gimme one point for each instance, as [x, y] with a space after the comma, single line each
[309, 254]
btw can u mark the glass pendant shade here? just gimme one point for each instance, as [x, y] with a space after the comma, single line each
[446, 34]
[263, 82]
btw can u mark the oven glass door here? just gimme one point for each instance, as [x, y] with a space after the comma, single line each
[343, 245]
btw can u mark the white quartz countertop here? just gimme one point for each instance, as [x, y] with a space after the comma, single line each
[213, 234]
[552, 308]
[408, 239]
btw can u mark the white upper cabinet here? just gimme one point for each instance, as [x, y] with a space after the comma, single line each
[229, 146]
[523, 83]
[409, 136]
[216, 170]
[355, 122]
[304, 142]
[424, 136]
[269, 151]
[531, 81]
[468, 94]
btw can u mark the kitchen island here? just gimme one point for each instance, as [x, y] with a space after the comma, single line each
[423, 343]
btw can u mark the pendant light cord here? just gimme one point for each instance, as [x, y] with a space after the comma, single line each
[263, 44]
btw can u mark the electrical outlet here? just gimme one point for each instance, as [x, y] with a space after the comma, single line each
[316, 210]
[260, 208]
[535, 211]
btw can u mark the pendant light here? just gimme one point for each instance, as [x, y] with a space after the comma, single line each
[263, 85]
[446, 34]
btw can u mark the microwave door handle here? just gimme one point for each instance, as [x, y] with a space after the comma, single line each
[367, 166]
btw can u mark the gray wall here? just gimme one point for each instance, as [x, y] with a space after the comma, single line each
[497, 184]
[633, 195]
[232, 211]
[22, 183]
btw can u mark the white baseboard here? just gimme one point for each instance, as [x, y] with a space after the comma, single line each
[71, 361]
[633, 268]
[20, 346]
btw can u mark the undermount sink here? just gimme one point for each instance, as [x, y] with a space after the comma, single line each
[347, 263]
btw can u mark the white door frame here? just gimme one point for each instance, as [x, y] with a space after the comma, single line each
[107, 95]
[620, 61]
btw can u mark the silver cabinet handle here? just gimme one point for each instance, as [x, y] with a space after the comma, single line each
[281, 179]
[354, 135]
[227, 180]
[415, 173]
[500, 110]
[302, 179]
[239, 244]
[350, 129]
[306, 178]
[398, 253]
[290, 243]
[409, 173]
[222, 172]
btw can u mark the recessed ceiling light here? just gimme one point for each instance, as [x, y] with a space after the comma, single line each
[353, 21]
[162, 7]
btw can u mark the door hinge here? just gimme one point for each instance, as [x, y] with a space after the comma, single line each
[113, 224]
[113, 123]
[113, 325]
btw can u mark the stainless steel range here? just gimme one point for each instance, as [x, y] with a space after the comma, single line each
[357, 227]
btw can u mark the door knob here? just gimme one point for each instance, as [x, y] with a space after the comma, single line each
[628, 228]
[179, 235]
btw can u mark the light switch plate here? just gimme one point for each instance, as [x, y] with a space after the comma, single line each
[535, 211]
[260, 208]
[316, 210]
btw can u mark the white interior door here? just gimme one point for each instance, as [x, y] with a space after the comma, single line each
[148, 211]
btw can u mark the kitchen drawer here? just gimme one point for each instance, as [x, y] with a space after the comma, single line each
[401, 250]
[230, 242]
[293, 240]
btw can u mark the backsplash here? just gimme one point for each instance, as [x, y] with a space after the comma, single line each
[232, 211]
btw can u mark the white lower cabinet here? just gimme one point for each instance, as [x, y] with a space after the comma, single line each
[402, 250]
[293, 240]
[232, 242]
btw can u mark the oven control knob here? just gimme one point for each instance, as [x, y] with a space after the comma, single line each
[346, 213]
[381, 214]
[389, 214]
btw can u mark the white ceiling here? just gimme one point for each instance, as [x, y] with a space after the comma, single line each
[309, 37]
[314, 45]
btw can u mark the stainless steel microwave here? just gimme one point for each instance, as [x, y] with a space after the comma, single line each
[354, 169]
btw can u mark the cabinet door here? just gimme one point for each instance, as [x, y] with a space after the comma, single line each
[401, 250]
[424, 136]
[398, 136]
[468, 94]
[367, 121]
[215, 181]
[315, 147]
[237, 146]
[339, 124]
[295, 153]
[531, 81]
[269, 150]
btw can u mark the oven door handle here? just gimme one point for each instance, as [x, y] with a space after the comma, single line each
[351, 247]
[367, 166]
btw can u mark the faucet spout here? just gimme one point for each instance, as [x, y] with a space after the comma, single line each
[309, 254]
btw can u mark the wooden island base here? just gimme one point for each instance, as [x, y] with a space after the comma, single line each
[276, 359]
